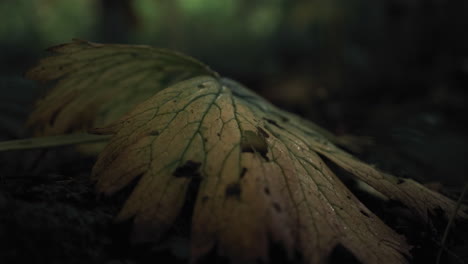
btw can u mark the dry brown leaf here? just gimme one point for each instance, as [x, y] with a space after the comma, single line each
[257, 170]
[98, 83]
[259, 178]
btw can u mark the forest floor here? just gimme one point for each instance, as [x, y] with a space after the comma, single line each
[49, 212]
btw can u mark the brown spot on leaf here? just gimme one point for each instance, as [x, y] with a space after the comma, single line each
[254, 143]
[284, 119]
[262, 132]
[243, 172]
[154, 133]
[233, 190]
[273, 122]
[189, 170]
[277, 207]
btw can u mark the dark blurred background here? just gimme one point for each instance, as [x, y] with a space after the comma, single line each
[393, 70]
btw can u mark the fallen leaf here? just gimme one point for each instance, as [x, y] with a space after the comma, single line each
[259, 176]
[258, 172]
[96, 84]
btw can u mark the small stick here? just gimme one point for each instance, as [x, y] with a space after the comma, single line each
[447, 229]
[52, 141]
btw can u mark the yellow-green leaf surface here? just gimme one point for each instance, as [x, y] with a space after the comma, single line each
[259, 178]
[96, 84]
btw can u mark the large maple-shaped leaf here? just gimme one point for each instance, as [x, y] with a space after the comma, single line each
[96, 83]
[258, 171]
[259, 178]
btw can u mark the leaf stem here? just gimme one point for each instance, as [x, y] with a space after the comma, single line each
[52, 141]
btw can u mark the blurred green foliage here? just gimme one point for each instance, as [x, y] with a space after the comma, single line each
[346, 46]
[45, 21]
[248, 34]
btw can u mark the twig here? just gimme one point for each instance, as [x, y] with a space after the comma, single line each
[452, 218]
[52, 141]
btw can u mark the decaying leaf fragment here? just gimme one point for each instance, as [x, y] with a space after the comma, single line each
[258, 171]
